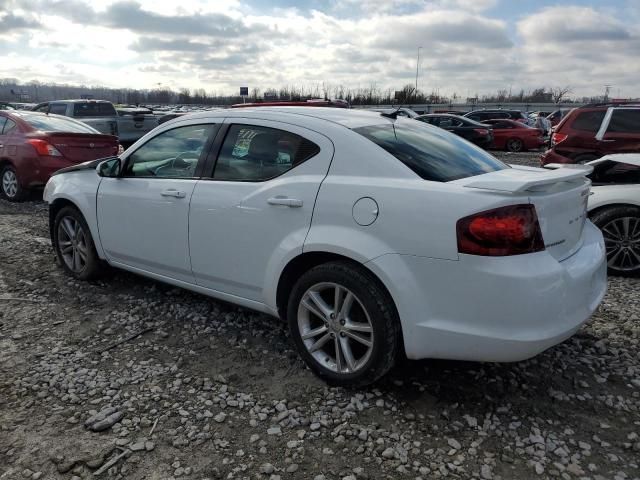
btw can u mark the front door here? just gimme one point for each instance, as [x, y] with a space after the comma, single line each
[256, 208]
[143, 215]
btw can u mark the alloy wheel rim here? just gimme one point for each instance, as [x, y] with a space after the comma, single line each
[335, 328]
[72, 243]
[515, 145]
[622, 243]
[10, 183]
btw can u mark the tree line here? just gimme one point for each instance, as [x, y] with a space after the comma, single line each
[12, 90]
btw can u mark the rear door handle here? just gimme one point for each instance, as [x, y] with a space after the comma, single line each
[173, 193]
[606, 141]
[286, 201]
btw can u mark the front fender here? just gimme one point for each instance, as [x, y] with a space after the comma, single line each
[79, 188]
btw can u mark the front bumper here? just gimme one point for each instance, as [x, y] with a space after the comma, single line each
[498, 309]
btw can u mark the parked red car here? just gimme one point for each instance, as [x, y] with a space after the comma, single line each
[590, 132]
[514, 136]
[33, 145]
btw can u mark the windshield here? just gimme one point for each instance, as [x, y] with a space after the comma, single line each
[55, 123]
[430, 152]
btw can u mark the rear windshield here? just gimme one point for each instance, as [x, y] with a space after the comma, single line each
[432, 153]
[54, 123]
[94, 109]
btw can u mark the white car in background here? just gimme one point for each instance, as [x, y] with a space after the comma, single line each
[371, 235]
[614, 206]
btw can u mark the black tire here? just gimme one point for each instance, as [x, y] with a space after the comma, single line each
[610, 221]
[514, 145]
[16, 192]
[373, 300]
[91, 266]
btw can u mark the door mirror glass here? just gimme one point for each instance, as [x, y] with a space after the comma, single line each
[110, 168]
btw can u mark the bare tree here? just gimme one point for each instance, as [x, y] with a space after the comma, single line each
[559, 93]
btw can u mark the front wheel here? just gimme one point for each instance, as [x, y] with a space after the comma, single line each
[10, 187]
[344, 324]
[620, 227]
[74, 245]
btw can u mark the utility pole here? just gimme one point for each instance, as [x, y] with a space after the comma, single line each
[607, 89]
[417, 67]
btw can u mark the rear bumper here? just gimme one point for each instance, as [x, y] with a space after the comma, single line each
[498, 309]
[36, 172]
[550, 156]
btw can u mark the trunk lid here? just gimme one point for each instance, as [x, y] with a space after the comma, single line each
[81, 147]
[560, 197]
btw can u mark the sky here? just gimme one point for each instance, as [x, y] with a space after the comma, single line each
[468, 47]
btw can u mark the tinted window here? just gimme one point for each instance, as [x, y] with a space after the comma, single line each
[615, 172]
[174, 153]
[8, 127]
[448, 122]
[255, 154]
[430, 153]
[58, 108]
[588, 121]
[54, 123]
[625, 121]
[2, 122]
[93, 109]
[42, 108]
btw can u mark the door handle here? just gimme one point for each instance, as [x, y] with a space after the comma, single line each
[606, 141]
[173, 193]
[285, 201]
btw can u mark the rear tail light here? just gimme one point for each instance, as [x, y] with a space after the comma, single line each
[481, 131]
[44, 149]
[512, 230]
[558, 138]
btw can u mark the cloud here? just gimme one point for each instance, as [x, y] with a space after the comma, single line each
[10, 22]
[150, 44]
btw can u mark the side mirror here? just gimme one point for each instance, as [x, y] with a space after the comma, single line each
[109, 168]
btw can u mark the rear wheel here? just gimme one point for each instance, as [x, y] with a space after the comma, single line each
[10, 187]
[344, 324]
[515, 145]
[620, 227]
[74, 245]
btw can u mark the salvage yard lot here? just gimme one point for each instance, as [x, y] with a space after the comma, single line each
[209, 390]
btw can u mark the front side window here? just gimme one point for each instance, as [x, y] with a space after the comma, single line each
[42, 108]
[255, 154]
[625, 121]
[171, 154]
[431, 153]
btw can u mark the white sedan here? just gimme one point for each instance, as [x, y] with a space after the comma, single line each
[371, 235]
[614, 206]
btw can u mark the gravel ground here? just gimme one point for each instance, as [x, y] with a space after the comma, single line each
[125, 378]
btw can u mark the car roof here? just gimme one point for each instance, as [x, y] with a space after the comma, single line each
[350, 118]
[78, 100]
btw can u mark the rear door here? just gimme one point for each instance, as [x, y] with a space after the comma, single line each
[255, 209]
[620, 131]
[143, 216]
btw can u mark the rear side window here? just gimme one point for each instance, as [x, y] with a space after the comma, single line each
[8, 127]
[615, 172]
[50, 123]
[94, 109]
[255, 154]
[58, 108]
[432, 154]
[2, 122]
[588, 121]
[625, 121]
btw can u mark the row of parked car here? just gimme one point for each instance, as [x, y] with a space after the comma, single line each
[54, 135]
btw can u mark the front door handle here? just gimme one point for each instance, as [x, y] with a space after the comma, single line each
[286, 201]
[173, 193]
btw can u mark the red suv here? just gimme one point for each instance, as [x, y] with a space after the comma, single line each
[587, 133]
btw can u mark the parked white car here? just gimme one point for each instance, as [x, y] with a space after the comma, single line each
[369, 235]
[614, 206]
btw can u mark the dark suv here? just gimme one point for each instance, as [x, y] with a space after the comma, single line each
[498, 114]
[590, 132]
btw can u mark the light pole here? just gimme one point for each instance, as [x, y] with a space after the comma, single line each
[417, 67]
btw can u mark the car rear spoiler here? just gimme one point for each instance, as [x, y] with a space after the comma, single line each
[529, 180]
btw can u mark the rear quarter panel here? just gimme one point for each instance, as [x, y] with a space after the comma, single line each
[603, 195]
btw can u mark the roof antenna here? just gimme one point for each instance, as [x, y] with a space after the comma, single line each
[394, 115]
